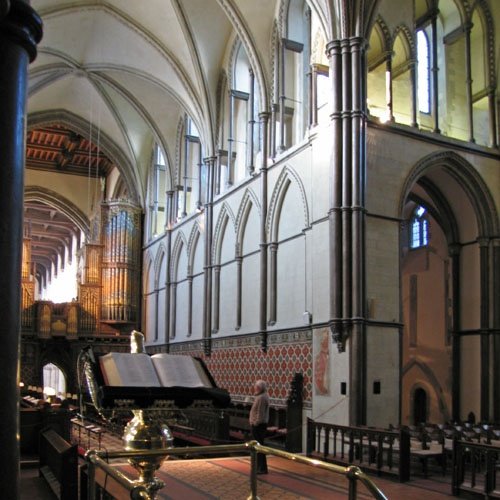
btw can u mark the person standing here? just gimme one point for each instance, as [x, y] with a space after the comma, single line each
[258, 418]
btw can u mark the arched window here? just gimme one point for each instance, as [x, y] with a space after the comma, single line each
[400, 89]
[157, 196]
[319, 73]
[292, 66]
[54, 381]
[239, 140]
[419, 228]
[190, 192]
[377, 73]
[481, 89]
[423, 59]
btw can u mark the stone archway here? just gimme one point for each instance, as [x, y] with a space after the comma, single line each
[446, 282]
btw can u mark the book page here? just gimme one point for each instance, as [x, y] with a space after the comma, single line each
[182, 371]
[128, 370]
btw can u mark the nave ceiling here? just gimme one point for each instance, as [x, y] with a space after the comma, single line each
[130, 70]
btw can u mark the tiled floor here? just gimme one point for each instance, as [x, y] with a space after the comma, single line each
[228, 478]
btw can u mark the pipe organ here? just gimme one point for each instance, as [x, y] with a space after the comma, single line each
[108, 279]
[27, 287]
[121, 240]
[89, 287]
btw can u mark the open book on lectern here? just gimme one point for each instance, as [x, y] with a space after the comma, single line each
[160, 370]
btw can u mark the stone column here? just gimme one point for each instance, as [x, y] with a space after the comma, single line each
[264, 119]
[190, 305]
[435, 74]
[239, 291]
[251, 125]
[173, 309]
[282, 99]
[493, 118]
[414, 89]
[216, 312]
[273, 282]
[468, 71]
[347, 212]
[169, 222]
[185, 176]
[20, 31]
[335, 211]
[454, 251]
[496, 327]
[230, 143]
[484, 265]
[157, 313]
[207, 269]
[313, 95]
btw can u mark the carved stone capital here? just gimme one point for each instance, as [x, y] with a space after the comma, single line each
[21, 24]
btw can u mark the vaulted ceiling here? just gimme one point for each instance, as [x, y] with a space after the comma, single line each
[122, 74]
[130, 69]
[114, 76]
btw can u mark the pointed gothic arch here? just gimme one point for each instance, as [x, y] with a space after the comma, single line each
[180, 245]
[468, 178]
[194, 239]
[248, 201]
[225, 215]
[461, 204]
[160, 256]
[286, 178]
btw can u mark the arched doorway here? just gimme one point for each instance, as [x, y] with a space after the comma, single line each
[446, 245]
[419, 406]
[54, 381]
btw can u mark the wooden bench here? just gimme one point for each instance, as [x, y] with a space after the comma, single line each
[59, 464]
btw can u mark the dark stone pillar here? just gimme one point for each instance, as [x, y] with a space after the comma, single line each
[347, 212]
[414, 91]
[239, 291]
[484, 259]
[20, 31]
[456, 340]
[468, 71]
[496, 326]
[264, 120]
[169, 223]
[207, 272]
[435, 74]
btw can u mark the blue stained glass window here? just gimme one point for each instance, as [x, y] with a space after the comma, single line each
[419, 232]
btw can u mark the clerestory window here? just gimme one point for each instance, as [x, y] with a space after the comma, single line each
[419, 228]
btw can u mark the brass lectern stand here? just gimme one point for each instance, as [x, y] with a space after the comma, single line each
[150, 407]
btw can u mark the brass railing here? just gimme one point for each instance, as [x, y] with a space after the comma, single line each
[98, 462]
